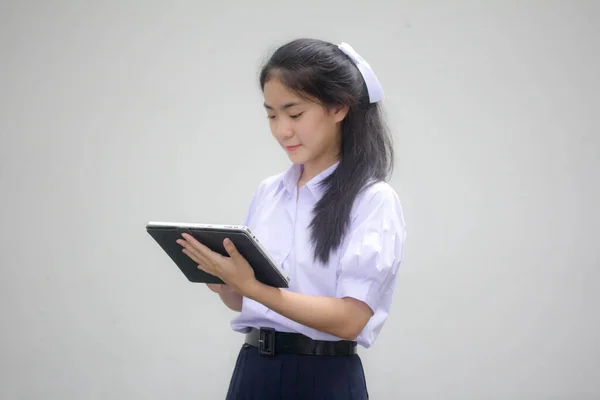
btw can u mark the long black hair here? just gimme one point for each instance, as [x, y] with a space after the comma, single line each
[320, 70]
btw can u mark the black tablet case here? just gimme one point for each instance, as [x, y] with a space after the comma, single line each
[213, 238]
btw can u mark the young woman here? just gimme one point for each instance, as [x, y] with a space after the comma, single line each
[330, 220]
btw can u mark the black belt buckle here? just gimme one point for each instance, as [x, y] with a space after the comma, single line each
[266, 342]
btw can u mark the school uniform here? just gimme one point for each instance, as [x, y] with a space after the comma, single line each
[365, 266]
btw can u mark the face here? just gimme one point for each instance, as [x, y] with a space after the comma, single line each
[307, 131]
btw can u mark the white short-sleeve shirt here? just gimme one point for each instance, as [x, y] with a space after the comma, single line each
[364, 267]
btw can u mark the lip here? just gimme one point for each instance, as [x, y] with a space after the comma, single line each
[292, 148]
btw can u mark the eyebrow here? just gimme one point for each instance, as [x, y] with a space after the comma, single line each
[283, 107]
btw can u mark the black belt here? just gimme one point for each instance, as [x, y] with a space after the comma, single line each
[270, 342]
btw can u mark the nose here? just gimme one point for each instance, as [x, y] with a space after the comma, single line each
[282, 129]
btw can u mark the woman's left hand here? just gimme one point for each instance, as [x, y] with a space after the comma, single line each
[233, 270]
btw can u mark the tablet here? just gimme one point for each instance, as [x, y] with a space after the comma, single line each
[266, 270]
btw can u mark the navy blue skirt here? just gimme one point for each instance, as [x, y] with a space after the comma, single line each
[296, 377]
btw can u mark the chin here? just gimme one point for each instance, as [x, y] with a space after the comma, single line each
[297, 158]
[296, 161]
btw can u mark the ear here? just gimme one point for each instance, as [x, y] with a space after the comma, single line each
[338, 113]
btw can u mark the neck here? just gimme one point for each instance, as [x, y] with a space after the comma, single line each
[312, 169]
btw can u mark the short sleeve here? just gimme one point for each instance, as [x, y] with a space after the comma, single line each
[373, 248]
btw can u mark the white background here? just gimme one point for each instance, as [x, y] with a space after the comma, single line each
[116, 113]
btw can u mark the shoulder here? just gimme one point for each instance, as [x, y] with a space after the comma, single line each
[380, 196]
[268, 186]
[377, 207]
[378, 191]
[264, 193]
[270, 183]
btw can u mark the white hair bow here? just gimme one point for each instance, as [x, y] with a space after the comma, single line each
[373, 85]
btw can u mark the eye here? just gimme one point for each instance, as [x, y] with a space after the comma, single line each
[296, 116]
[270, 117]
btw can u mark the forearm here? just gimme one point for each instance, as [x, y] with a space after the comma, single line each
[338, 317]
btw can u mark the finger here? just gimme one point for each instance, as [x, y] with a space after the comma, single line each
[192, 249]
[208, 270]
[195, 256]
[191, 255]
[232, 250]
[199, 248]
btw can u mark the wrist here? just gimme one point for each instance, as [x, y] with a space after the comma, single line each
[254, 289]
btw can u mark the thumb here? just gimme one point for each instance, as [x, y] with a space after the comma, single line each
[231, 250]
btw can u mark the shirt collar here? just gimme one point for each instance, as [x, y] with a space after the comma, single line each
[291, 176]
